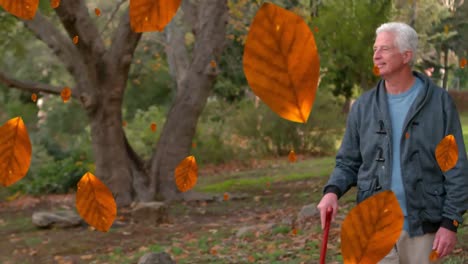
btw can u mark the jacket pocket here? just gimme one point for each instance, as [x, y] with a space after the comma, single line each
[434, 196]
[365, 188]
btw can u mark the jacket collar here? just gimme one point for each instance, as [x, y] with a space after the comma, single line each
[382, 102]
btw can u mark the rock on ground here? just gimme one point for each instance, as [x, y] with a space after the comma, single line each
[63, 219]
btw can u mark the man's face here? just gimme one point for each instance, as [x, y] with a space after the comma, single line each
[387, 57]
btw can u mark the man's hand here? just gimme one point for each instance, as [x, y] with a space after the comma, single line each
[444, 242]
[328, 200]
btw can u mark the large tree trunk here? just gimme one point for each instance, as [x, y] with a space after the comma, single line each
[110, 152]
[106, 73]
[101, 75]
[116, 162]
[209, 19]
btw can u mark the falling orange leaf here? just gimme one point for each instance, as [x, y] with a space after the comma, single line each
[54, 3]
[292, 156]
[407, 135]
[15, 151]
[455, 223]
[95, 202]
[152, 15]
[153, 127]
[433, 256]
[294, 231]
[34, 97]
[65, 94]
[213, 251]
[316, 29]
[371, 229]
[213, 64]
[447, 153]
[281, 62]
[463, 63]
[25, 9]
[226, 196]
[375, 70]
[97, 11]
[251, 259]
[124, 123]
[76, 39]
[186, 174]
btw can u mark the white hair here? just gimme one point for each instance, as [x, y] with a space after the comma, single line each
[406, 37]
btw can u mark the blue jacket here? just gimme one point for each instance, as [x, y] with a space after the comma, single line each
[364, 159]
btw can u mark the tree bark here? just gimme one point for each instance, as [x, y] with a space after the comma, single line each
[209, 28]
[101, 76]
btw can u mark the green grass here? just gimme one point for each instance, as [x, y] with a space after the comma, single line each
[258, 179]
[17, 224]
[464, 124]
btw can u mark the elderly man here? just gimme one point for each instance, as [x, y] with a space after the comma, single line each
[389, 144]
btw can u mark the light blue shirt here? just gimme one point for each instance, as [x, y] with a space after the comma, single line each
[399, 105]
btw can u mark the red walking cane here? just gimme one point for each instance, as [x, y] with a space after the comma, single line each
[323, 251]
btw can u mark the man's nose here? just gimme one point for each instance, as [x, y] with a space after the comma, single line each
[377, 54]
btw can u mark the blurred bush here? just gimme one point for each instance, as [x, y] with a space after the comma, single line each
[139, 133]
[211, 141]
[61, 149]
[248, 129]
[265, 133]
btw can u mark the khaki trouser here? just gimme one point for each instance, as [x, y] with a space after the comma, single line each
[411, 250]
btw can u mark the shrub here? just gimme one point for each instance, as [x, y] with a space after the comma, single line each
[267, 133]
[139, 132]
[210, 144]
[51, 176]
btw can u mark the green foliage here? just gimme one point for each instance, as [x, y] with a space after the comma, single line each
[139, 133]
[149, 84]
[56, 176]
[345, 44]
[13, 37]
[281, 229]
[211, 141]
[225, 88]
[60, 141]
[15, 103]
[267, 133]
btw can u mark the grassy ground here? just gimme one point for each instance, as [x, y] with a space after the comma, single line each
[464, 123]
[199, 232]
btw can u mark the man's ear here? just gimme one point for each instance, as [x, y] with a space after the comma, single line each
[407, 56]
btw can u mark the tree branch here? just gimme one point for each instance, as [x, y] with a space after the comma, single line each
[66, 51]
[210, 37]
[32, 87]
[190, 15]
[177, 55]
[77, 22]
[117, 7]
[124, 43]
[60, 45]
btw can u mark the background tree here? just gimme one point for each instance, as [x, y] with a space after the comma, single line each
[99, 66]
[345, 44]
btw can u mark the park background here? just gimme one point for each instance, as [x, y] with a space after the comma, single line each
[241, 146]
